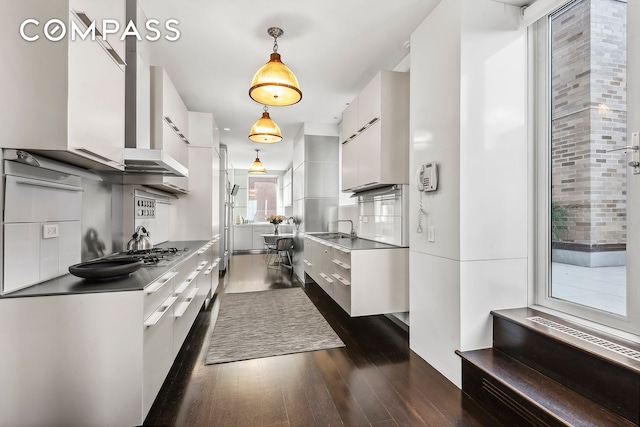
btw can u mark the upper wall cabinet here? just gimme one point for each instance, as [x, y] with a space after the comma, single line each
[169, 125]
[375, 134]
[98, 11]
[64, 99]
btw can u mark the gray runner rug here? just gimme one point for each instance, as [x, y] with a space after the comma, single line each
[268, 323]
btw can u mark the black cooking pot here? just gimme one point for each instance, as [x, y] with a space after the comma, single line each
[105, 268]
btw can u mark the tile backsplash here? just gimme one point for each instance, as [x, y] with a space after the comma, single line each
[379, 217]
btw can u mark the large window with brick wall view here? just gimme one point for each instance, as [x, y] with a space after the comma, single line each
[582, 84]
[262, 197]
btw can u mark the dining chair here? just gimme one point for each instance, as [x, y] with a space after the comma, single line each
[283, 249]
[270, 244]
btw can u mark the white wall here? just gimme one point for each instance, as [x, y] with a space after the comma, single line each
[468, 111]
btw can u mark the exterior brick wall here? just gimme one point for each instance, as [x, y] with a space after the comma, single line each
[588, 118]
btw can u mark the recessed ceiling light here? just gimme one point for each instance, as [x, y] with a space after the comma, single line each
[227, 129]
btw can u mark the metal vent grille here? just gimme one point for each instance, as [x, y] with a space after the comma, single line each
[617, 348]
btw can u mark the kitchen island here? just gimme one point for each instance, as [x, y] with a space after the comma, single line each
[85, 354]
[364, 277]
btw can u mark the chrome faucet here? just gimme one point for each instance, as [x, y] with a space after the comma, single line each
[353, 231]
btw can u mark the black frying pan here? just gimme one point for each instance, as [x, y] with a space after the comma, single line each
[105, 268]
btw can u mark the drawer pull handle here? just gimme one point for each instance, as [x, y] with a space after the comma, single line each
[182, 308]
[341, 264]
[157, 315]
[163, 280]
[327, 278]
[183, 286]
[341, 279]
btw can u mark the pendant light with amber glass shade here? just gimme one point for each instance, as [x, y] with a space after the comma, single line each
[275, 84]
[265, 130]
[257, 168]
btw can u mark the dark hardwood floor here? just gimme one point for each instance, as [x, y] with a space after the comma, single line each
[376, 380]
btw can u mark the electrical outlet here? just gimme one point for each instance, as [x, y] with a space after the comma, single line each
[49, 231]
[431, 234]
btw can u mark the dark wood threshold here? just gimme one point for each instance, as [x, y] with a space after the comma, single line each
[524, 394]
[520, 315]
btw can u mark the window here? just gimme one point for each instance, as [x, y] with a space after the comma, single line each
[262, 198]
[581, 116]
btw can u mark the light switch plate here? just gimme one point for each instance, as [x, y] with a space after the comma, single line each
[49, 231]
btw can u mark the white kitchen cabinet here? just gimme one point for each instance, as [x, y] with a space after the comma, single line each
[370, 98]
[118, 349]
[203, 262]
[96, 108]
[350, 121]
[157, 352]
[362, 282]
[316, 264]
[378, 154]
[188, 302]
[92, 372]
[243, 237]
[169, 125]
[349, 165]
[66, 98]
[364, 167]
[104, 9]
[258, 240]
[308, 260]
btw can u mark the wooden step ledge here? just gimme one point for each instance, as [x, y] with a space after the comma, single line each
[520, 316]
[500, 382]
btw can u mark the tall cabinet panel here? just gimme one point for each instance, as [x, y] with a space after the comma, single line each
[169, 125]
[96, 119]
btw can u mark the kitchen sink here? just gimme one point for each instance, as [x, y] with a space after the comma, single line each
[329, 236]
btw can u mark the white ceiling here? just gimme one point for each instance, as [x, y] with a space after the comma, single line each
[334, 47]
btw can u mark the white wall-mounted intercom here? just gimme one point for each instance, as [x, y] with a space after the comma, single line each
[427, 177]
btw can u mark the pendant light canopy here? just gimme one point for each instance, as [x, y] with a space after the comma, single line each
[257, 168]
[265, 130]
[275, 84]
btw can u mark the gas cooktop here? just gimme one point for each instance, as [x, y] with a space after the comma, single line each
[155, 257]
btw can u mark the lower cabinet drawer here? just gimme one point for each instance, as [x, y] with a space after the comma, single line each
[184, 314]
[157, 354]
[157, 292]
[326, 282]
[342, 295]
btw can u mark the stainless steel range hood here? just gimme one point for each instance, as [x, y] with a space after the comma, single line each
[150, 161]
